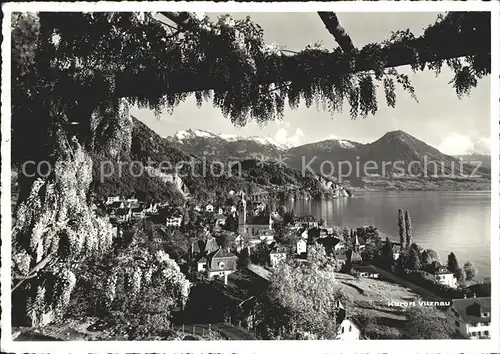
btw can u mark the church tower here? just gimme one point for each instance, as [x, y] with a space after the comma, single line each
[356, 243]
[242, 214]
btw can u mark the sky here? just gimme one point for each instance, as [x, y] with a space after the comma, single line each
[439, 118]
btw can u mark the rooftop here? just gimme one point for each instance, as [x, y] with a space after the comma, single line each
[473, 310]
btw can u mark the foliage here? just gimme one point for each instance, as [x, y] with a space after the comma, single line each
[426, 323]
[413, 261]
[441, 290]
[460, 275]
[452, 264]
[231, 223]
[288, 217]
[387, 257]
[55, 227]
[470, 270]
[110, 55]
[260, 254]
[156, 237]
[429, 256]
[243, 259]
[146, 317]
[402, 230]
[302, 302]
[74, 76]
[408, 228]
[318, 258]
[374, 327]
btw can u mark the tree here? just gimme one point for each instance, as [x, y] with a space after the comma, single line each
[452, 264]
[460, 275]
[260, 255]
[231, 223]
[370, 253]
[429, 256]
[413, 261]
[302, 302]
[426, 323]
[470, 270]
[387, 257]
[402, 230]
[408, 228]
[317, 256]
[243, 259]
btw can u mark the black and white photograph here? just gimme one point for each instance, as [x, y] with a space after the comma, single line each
[250, 173]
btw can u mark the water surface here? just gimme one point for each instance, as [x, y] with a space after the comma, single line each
[447, 222]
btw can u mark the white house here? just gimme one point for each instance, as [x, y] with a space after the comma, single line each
[366, 272]
[301, 246]
[233, 209]
[209, 208]
[277, 256]
[138, 213]
[396, 252]
[347, 329]
[471, 317]
[173, 219]
[220, 211]
[221, 264]
[197, 208]
[303, 234]
[220, 220]
[340, 245]
[439, 274]
[111, 200]
[239, 241]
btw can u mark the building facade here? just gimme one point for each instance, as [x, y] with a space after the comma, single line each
[471, 317]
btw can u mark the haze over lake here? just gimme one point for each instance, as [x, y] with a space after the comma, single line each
[458, 221]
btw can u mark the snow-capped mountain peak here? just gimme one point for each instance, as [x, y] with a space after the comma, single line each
[183, 135]
[193, 133]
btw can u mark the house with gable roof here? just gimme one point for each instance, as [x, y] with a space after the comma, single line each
[220, 264]
[347, 327]
[440, 274]
[471, 317]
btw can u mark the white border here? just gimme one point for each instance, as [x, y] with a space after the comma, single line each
[396, 346]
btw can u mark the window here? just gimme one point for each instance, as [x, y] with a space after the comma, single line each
[342, 329]
[350, 328]
[473, 334]
[486, 314]
[486, 333]
[473, 324]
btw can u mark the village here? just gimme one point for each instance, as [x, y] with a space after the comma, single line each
[241, 241]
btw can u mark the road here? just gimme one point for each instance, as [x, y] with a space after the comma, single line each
[418, 289]
[227, 330]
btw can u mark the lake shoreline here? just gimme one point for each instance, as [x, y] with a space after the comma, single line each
[446, 221]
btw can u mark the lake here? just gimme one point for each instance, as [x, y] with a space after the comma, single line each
[447, 222]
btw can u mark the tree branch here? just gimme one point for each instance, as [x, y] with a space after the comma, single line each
[440, 44]
[33, 272]
[333, 26]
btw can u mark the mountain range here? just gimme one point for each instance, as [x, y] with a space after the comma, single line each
[172, 170]
[395, 160]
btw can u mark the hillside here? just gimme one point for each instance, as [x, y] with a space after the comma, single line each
[172, 174]
[397, 160]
